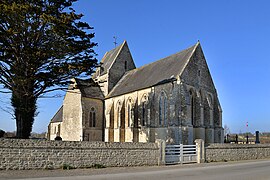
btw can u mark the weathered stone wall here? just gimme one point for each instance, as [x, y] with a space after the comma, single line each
[42, 154]
[54, 130]
[198, 83]
[71, 128]
[92, 133]
[236, 152]
[118, 69]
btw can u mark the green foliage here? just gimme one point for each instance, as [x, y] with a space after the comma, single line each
[67, 167]
[43, 44]
[98, 166]
[2, 133]
[95, 166]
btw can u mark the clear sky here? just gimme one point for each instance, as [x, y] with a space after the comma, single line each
[234, 35]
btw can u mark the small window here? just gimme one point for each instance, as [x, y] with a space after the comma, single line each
[92, 118]
[199, 73]
[125, 65]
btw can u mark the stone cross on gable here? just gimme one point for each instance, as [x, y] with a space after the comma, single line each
[115, 43]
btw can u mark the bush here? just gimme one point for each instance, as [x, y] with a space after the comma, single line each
[67, 167]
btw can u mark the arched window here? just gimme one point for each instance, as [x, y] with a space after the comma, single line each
[143, 114]
[192, 107]
[130, 112]
[92, 117]
[125, 65]
[111, 124]
[118, 120]
[162, 110]
[209, 100]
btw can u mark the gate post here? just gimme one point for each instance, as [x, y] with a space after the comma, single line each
[181, 153]
[200, 150]
[161, 144]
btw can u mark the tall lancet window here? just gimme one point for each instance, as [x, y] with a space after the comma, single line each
[162, 110]
[92, 117]
[130, 113]
[125, 65]
[118, 116]
[192, 107]
[143, 114]
[144, 111]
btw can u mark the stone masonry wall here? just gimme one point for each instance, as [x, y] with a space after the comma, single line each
[236, 152]
[43, 154]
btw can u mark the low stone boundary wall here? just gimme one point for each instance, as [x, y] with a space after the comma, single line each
[236, 152]
[43, 154]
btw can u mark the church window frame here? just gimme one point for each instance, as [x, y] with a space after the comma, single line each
[163, 109]
[118, 119]
[144, 115]
[130, 112]
[92, 117]
[209, 100]
[192, 106]
[125, 65]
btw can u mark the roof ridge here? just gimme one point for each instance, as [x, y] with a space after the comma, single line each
[112, 50]
[121, 47]
[104, 56]
[188, 51]
[118, 83]
[194, 49]
[57, 113]
[163, 58]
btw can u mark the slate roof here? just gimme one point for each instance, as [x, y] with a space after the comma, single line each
[58, 117]
[89, 88]
[161, 71]
[108, 59]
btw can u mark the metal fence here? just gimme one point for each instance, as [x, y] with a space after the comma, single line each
[179, 154]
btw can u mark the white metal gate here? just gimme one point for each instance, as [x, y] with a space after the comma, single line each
[175, 154]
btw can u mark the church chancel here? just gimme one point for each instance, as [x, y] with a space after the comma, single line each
[173, 99]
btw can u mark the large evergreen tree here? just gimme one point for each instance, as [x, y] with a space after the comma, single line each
[43, 44]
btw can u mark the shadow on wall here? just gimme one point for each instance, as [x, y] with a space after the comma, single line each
[2, 133]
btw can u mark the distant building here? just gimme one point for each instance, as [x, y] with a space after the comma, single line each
[172, 99]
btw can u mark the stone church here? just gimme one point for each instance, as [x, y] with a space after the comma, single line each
[173, 99]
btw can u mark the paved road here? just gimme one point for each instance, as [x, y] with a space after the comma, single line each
[228, 171]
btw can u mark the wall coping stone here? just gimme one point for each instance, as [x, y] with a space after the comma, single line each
[237, 146]
[37, 143]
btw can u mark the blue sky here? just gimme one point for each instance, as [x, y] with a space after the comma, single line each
[234, 36]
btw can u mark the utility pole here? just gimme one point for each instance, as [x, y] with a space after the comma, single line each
[247, 132]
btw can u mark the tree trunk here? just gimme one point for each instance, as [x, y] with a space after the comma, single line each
[24, 104]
